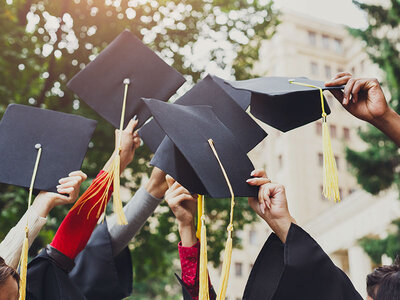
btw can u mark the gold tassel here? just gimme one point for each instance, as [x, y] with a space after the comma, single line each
[23, 262]
[112, 176]
[331, 181]
[199, 214]
[330, 172]
[226, 265]
[203, 273]
[24, 266]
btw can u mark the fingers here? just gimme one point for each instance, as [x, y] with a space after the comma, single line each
[170, 181]
[67, 190]
[358, 85]
[74, 182]
[257, 181]
[339, 79]
[78, 173]
[347, 91]
[132, 125]
[259, 173]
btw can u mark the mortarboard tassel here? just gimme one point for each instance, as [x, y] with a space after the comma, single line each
[110, 176]
[203, 273]
[330, 173]
[23, 263]
[226, 265]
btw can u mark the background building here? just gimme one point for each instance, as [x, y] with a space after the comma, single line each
[305, 46]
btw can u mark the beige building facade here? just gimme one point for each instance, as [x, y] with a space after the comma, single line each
[305, 46]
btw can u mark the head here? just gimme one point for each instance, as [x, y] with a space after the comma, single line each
[9, 281]
[384, 282]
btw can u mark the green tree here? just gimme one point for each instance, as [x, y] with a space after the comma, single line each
[44, 43]
[377, 167]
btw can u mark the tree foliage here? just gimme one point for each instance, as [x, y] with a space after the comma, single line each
[44, 43]
[377, 167]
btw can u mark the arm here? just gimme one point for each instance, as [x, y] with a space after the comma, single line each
[11, 246]
[364, 99]
[184, 206]
[137, 211]
[75, 230]
[271, 204]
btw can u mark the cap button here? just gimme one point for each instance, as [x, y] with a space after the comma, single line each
[127, 81]
[38, 146]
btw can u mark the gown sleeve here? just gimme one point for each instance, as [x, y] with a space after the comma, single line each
[298, 269]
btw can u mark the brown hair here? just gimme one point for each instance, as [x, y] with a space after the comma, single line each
[384, 282]
[6, 271]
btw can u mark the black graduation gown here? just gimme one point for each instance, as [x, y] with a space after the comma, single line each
[96, 274]
[298, 269]
[186, 294]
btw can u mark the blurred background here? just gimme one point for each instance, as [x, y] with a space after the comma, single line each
[44, 43]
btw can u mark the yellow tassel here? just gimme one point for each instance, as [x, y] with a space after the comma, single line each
[330, 173]
[199, 214]
[117, 203]
[203, 273]
[111, 176]
[331, 181]
[23, 262]
[24, 266]
[226, 266]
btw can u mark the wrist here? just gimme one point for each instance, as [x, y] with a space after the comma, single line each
[157, 186]
[382, 122]
[43, 205]
[281, 226]
[187, 233]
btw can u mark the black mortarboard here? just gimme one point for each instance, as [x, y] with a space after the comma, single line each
[212, 91]
[101, 83]
[281, 103]
[190, 128]
[64, 139]
[297, 269]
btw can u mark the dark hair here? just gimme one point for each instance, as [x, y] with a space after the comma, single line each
[6, 271]
[384, 282]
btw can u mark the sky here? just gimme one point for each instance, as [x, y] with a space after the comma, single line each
[337, 11]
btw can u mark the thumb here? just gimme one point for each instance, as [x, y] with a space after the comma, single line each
[170, 180]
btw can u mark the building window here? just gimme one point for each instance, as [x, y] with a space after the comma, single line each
[318, 128]
[312, 38]
[333, 131]
[341, 193]
[320, 159]
[314, 68]
[252, 237]
[328, 72]
[346, 133]
[238, 269]
[338, 45]
[337, 162]
[325, 41]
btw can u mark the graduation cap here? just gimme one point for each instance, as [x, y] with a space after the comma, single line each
[37, 148]
[63, 140]
[113, 84]
[213, 158]
[227, 103]
[126, 61]
[286, 103]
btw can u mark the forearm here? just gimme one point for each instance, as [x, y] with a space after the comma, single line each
[389, 124]
[11, 246]
[137, 211]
